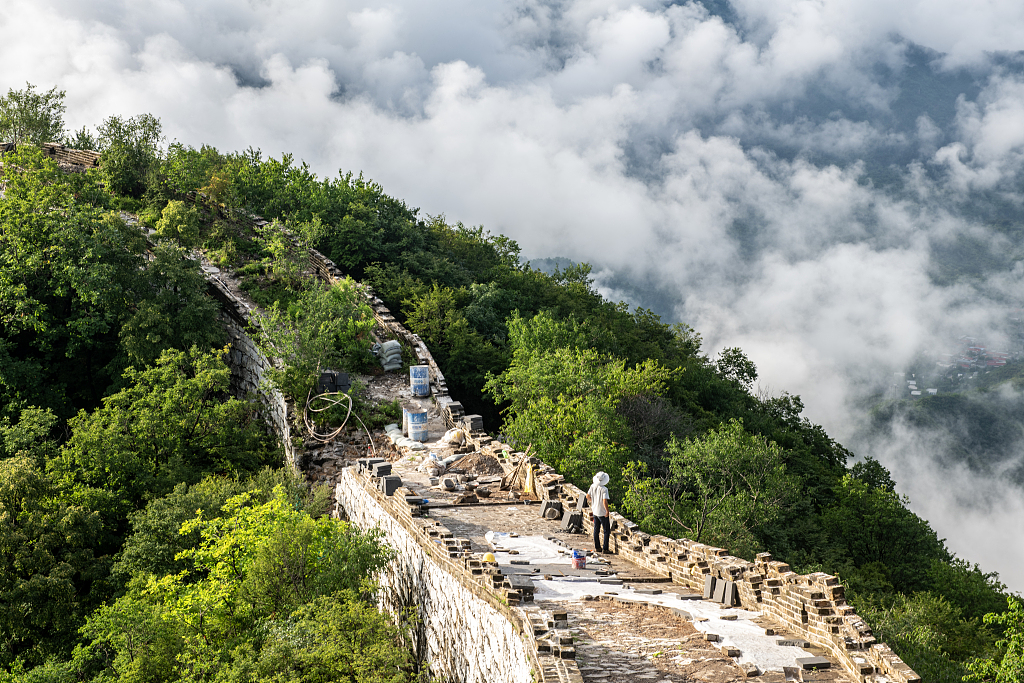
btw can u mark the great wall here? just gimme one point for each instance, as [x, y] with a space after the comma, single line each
[507, 620]
[656, 609]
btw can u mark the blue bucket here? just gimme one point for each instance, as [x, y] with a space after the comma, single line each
[419, 380]
[418, 424]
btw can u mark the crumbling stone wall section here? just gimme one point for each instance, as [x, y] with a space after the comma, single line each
[70, 160]
[249, 367]
[813, 605]
[466, 632]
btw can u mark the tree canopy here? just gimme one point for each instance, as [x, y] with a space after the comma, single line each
[31, 116]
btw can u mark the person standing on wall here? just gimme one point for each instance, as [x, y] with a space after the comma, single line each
[597, 496]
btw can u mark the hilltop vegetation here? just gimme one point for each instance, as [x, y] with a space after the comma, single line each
[107, 343]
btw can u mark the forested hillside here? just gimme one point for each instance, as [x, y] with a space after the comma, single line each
[117, 427]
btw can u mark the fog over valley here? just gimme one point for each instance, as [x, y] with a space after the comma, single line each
[833, 186]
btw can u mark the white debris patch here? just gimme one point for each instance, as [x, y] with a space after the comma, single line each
[535, 549]
[736, 630]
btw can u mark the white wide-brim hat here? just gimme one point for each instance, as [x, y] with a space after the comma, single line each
[601, 478]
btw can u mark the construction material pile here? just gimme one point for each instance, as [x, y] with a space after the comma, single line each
[390, 355]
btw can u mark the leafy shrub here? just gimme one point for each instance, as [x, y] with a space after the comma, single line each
[328, 327]
[180, 222]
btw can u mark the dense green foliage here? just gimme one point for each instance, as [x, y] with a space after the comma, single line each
[130, 150]
[106, 343]
[719, 490]
[328, 326]
[79, 301]
[130, 479]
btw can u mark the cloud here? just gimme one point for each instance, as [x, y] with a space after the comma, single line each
[786, 177]
[973, 511]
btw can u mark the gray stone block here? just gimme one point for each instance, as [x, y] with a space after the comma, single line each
[521, 582]
[555, 505]
[390, 484]
[808, 663]
[719, 595]
[732, 596]
[709, 587]
[793, 643]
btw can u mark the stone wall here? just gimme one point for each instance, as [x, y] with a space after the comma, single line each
[70, 160]
[249, 367]
[466, 633]
[471, 628]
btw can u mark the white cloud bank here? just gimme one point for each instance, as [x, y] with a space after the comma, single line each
[638, 136]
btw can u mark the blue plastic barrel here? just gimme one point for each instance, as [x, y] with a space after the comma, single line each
[419, 380]
[418, 424]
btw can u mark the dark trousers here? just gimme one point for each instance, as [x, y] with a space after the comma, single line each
[601, 523]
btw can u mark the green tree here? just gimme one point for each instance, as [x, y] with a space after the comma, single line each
[130, 152]
[83, 139]
[174, 309]
[171, 424]
[68, 275]
[49, 572]
[874, 537]
[155, 544]
[30, 116]
[466, 356]
[256, 565]
[287, 255]
[928, 633]
[563, 398]
[180, 222]
[330, 639]
[1008, 666]
[720, 488]
[31, 436]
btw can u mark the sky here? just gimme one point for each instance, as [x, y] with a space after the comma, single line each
[824, 183]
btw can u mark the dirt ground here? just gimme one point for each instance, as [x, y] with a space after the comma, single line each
[477, 463]
[623, 644]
